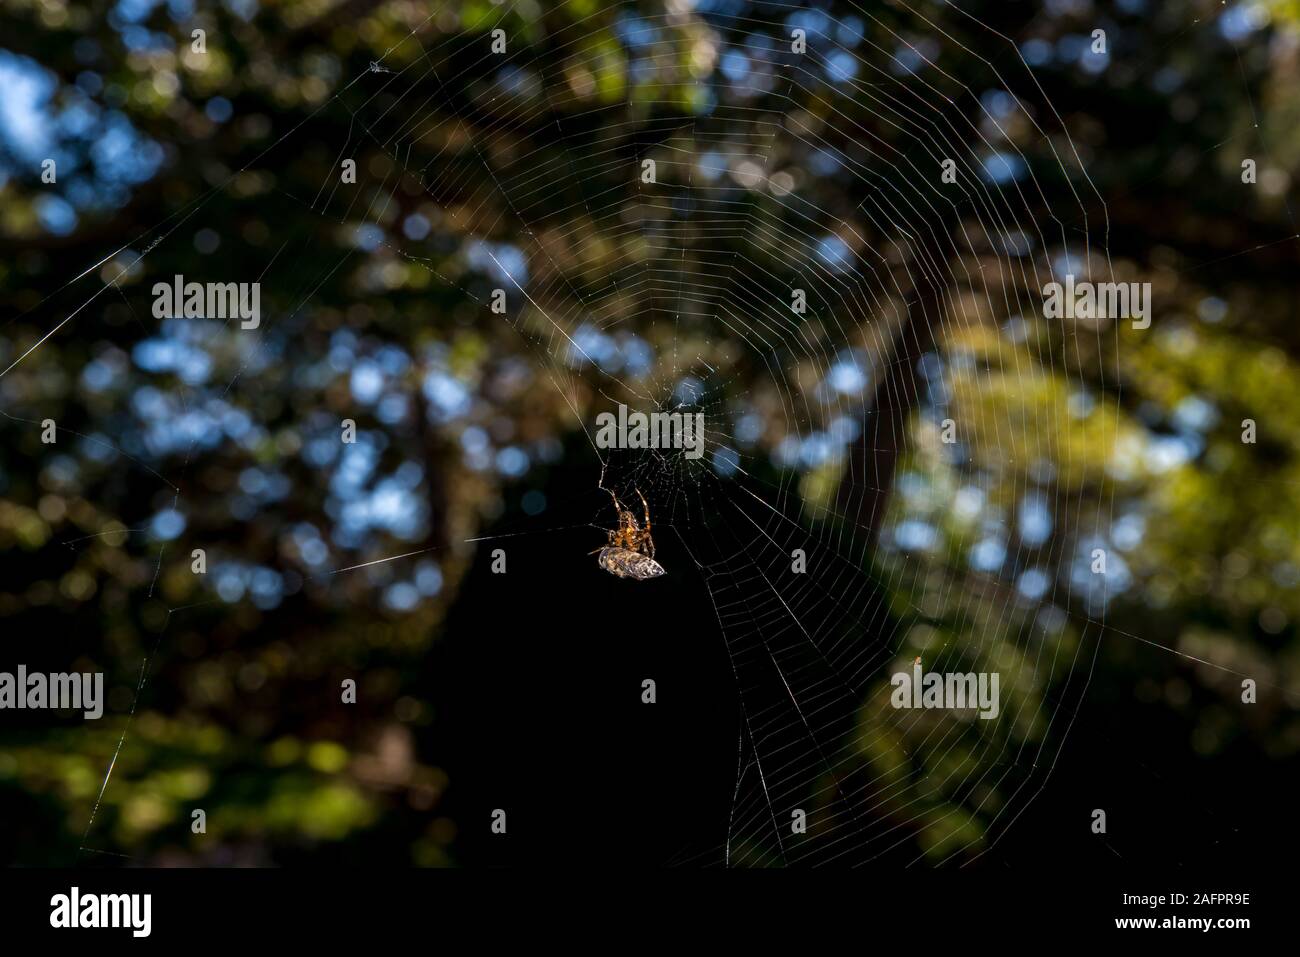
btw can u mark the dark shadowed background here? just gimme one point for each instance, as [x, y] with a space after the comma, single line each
[523, 691]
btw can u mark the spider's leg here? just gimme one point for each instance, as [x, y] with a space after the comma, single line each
[618, 506]
[650, 542]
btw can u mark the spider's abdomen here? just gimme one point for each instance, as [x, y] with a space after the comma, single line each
[626, 563]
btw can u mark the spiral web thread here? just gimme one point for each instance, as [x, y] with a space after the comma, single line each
[910, 283]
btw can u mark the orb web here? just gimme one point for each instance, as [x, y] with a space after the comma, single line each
[834, 254]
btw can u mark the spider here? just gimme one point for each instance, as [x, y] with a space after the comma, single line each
[630, 552]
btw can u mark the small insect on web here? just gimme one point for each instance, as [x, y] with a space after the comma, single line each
[630, 552]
